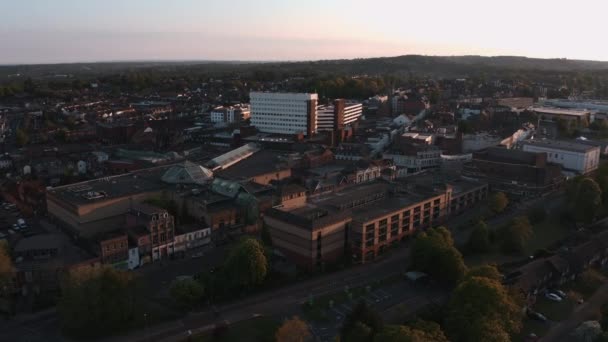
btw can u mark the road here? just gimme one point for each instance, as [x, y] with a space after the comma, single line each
[562, 330]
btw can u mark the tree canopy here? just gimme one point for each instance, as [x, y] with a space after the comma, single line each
[246, 265]
[6, 264]
[95, 303]
[479, 240]
[419, 331]
[485, 271]
[516, 235]
[187, 292]
[362, 324]
[293, 330]
[433, 252]
[498, 202]
[481, 309]
[587, 201]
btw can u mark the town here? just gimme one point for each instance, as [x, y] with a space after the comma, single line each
[256, 203]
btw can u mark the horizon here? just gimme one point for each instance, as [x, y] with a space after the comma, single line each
[235, 61]
[69, 31]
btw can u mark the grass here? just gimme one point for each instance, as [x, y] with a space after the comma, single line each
[261, 329]
[545, 234]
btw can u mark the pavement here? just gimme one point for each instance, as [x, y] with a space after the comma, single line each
[561, 331]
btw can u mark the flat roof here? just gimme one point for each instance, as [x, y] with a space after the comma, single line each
[561, 111]
[259, 163]
[102, 189]
[561, 145]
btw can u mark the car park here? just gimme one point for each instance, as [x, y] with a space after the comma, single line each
[537, 316]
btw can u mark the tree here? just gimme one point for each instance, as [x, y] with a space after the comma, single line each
[481, 309]
[479, 240]
[587, 202]
[293, 330]
[97, 302]
[265, 235]
[246, 265]
[485, 271]
[516, 235]
[22, 137]
[187, 292]
[433, 252]
[361, 324]
[420, 331]
[498, 202]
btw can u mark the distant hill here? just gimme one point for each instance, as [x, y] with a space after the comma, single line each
[436, 66]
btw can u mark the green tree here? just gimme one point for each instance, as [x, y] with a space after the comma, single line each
[293, 330]
[361, 324]
[481, 309]
[479, 240]
[187, 292]
[587, 202]
[420, 331]
[516, 235]
[22, 137]
[485, 271]
[498, 202]
[265, 235]
[246, 265]
[433, 252]
[99, 302]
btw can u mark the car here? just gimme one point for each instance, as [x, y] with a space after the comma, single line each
[537, 316]
[553, 297]
[559, 293]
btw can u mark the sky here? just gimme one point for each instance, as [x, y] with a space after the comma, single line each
[57, 31]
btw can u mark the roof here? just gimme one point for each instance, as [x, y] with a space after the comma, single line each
[561, 111]
[561, 145]
[147, 209]
[106, 188]
[235, 156]
[43, 241]
[187, 173]
[260, 163]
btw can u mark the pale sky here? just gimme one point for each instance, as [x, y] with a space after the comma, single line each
[51, 31]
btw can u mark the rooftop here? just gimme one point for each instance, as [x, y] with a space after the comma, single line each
[259, 163]
[561, 145]
[561, 111]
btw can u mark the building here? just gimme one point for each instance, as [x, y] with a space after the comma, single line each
[230, 114]
[114, 249]
[160, 226]
[413, 155]
[363, 221]
[191, 236]
[572, 156]
[89, 208]
[336, 116]
[581, 116]
[515, 172]
[284, 113]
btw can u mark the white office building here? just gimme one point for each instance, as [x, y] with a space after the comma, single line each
[573, 157]
[230, 114]
[284, 113]
[338, 115]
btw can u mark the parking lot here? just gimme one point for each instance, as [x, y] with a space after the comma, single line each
[12, 223]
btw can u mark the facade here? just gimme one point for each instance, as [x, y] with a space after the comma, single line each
[191, 236]
[160, 226]
[362, 221]
[414, 155]
[515, 172]
[574, 157]
[230, 114]
[338, 115]
[284, 113]
[582, 116]
[114, 249]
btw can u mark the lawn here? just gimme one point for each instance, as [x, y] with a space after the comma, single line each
[261, 329]
[546, 234]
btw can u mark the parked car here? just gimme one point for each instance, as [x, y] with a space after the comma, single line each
[560, 293]
[537, 316]
[553, 297]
